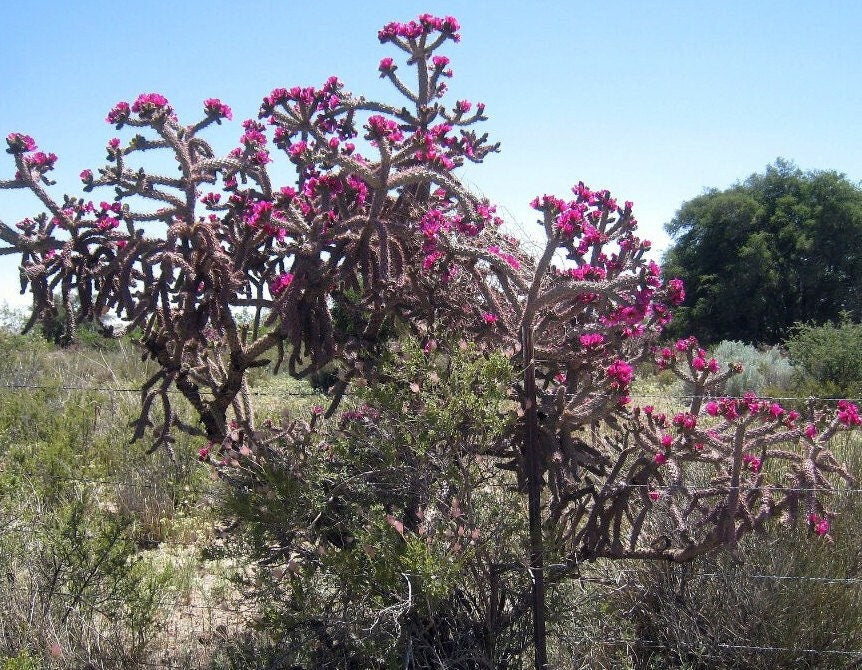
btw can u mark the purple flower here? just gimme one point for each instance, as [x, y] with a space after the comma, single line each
[590, 340]
[297, 149]
[119, 113]
[440, 62]
[753, 463]
[676, 291]
[20, 143]
[149, 103]
[621, 374]
[848, 413]
[820, 524]
[278, 285]
[386, 66]
[40, 160]
[215, 107]
[380, 126]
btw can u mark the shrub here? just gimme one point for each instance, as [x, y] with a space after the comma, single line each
[377, 514]
[75, 592]
[829, 358]
[76, 506]
[766, 371]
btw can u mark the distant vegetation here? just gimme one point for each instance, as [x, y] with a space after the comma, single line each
[780, 248]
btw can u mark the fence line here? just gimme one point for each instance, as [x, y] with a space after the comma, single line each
[111, 389]
[800, 578]
[312, 394]
[797, 578]
[725, 645]
[666, 489]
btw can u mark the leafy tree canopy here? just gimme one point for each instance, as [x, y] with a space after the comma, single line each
[779, 248]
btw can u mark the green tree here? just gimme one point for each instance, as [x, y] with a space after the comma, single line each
[781, 247]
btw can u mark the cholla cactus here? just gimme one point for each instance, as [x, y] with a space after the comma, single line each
[393, 229]
[377, 212]
[378, 225]
[715, 472]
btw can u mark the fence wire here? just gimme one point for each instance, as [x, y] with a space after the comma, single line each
[317, 394]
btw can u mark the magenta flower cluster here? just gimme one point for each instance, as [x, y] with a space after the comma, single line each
[20, 143]
[621, 375]
[848, 413]
[148, 106]
[148, 103]
[426, 24]
[280, 284]
[381, 127]
[510, 259]
[362, 413]
[690, 348]
[216, 108]
[751, 405]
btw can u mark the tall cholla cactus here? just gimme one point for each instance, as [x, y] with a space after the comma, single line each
[394, 229]
[378, 225]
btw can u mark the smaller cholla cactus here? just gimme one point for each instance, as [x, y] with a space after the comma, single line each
[766, 461]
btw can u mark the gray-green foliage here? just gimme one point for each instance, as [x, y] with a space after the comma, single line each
[765, 370]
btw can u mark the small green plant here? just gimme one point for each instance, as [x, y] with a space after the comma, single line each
[22, 661]
[74, 582]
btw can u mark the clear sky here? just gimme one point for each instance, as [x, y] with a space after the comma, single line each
[655, 100]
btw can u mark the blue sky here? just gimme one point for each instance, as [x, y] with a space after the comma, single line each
[654, 100]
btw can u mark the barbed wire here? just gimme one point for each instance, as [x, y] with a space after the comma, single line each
[823, 579]
[797, 578]
[657, 396]
[727, 645]
[112, 389]
[668, 490]
[322, 394]
[721, 488]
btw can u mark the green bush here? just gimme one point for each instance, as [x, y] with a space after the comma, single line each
[77, 505]
[74, 582]
[377, 534]
[829, 358]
